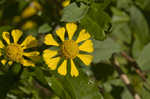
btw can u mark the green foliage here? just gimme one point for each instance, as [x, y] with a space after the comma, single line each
[104, 50]
[73, 13]
[67, 87]
[98, 21]
[44, 28]
[120, 30]
[144, 58]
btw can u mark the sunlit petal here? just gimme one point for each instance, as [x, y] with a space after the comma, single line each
[1, 44]
[49, 40]
[27, 62]
[62, 69]
[3, 61]
[31, 54]
[52, 63]
[87, 59]
[6, 37]
[83, 35]
[10, 62]
[71, 29]
[29, 42]
[61, 33]
[16, 34]
[47, 54]
[87, 46]
[74, 71]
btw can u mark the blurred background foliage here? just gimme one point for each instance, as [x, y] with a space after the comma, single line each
[121, 36]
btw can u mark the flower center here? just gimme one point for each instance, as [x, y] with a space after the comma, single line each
[69, 49]
[14, 52]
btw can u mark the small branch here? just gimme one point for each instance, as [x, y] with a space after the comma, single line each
[135, 65]
[125, 78]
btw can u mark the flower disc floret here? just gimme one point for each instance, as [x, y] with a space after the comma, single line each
[14, 52]
[70, 49]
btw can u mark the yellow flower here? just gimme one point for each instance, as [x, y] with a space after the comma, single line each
[65, 3]
[31, 10]
[15, 52]
[28, 25]
[69, 49]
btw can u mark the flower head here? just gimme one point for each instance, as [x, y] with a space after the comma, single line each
[14, 51]
[31, 10]
[69, 49]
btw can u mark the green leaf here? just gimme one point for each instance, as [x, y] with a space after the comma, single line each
[78, 88]
[101, 4]
[139, 25]
[144, 58]
[5, 28]
[104, 49]
[144, 4]
[120, 28]
[137, 48]
[44, 28]
[7, 81]
[119, 16]
[73, 13]
[58, 87]
[95, 22]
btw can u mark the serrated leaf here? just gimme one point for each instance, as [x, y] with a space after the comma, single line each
[95, 23]
[73, 13]
[44, 28]
[144, 58]
[104, 49]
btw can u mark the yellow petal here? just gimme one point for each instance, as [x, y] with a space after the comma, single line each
[3, 61]
[65, 3]
[0, 54]
[87, 46]
[87, 59]
[52, 63]
[10, 62]
[29, 42]
[36, 5]
[29, 25]
[1, 44]
[31, 54]
[28, 12]
[83, 35]
[49, 40]
[74, 71]
[47, 54]
[63, 68]
[16, 34]
[27, 62]
[61, 33]
[6, 37]
[71, 29]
